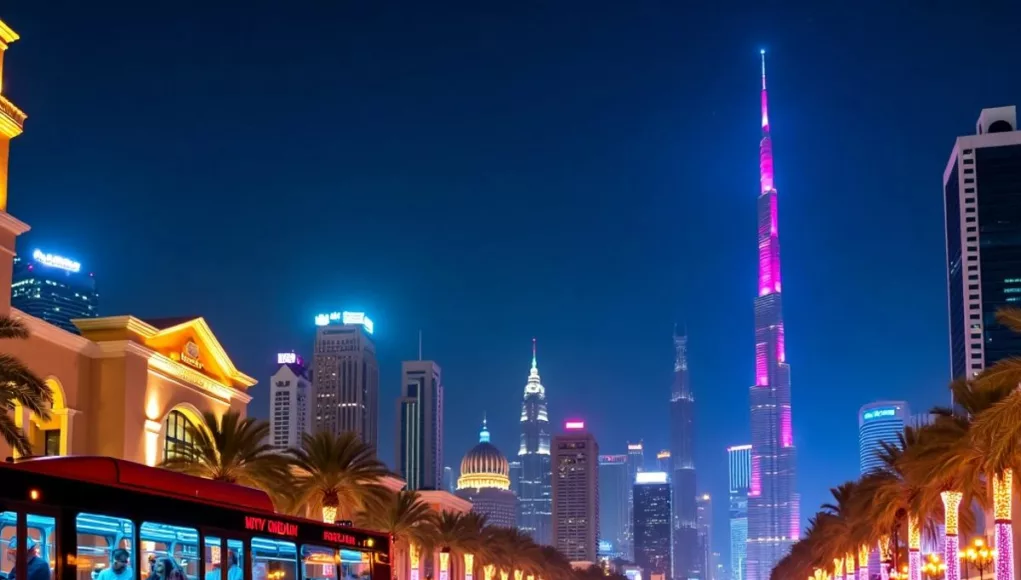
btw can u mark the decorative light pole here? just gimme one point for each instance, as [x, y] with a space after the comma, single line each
[951, 507]
[934, 568]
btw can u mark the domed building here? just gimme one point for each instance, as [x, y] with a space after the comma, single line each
[485, 481]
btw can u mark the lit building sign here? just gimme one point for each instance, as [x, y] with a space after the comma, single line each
[574, 425]
[55, 261]
[879, 413]
[190, 355]
[339, 538]
[650, 477]
[287, 358]
[270, 526]
[634, 446]
[345, 318]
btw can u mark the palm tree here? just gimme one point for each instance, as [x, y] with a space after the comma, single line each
[852, 532]
[336, 474]
[410, 523]
[233, 449]
[458, 533]
[555, 565]
[515, 551]
[20, 388]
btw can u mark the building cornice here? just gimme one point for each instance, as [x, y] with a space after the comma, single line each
[55, 335]
[12, 225]
[7, 35]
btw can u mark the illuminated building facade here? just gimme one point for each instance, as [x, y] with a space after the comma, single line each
[773, 519]
[419, 440]
[663, 461]
[576, 493]
[704, 510]
[290, 402]
[981, 187]
[534, 453]
[122, 387]
[485, 482]
[686, 554]
[878, 422]
[346, 376]
[614, 495]
[635, 465]
[739, 463]
[652, 524]
[54, 288]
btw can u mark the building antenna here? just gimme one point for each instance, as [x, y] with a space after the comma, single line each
[419, 344]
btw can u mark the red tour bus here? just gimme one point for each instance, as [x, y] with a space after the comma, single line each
[74, 512]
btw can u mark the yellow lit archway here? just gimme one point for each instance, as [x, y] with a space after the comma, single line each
[52, 436]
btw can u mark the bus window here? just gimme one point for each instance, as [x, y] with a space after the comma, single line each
[213, 557]
[318, 563]
[40, 557]
[236, 560]
[104, 548]
[8, 530]
[179, 545]
[211, 553]
[274, 560]
[353, 565]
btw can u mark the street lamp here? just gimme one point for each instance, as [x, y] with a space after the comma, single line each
[978, 555]
[902, 575]
[934, 568]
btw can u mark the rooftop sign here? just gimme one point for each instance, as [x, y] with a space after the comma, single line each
[345, 318]
[55, 261]
[288, 358]
[879, 413]
[574, 425]
[650, 477]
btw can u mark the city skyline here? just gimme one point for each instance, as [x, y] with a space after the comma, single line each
[489, 368]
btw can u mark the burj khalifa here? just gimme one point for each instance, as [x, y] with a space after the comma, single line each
[773, 518]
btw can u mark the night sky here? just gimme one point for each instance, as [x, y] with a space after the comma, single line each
[581, 172]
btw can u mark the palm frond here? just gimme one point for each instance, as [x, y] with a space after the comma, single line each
[11, 327]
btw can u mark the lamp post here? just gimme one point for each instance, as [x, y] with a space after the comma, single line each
[979, 556]
[934, 567]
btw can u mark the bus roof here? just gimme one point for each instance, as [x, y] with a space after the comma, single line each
[122, 473]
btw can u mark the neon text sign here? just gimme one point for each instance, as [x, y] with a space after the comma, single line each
[879, 413]
[345, 318]
[270, 526]
[55, 261]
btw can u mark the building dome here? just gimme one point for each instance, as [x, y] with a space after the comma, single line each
[484, 466]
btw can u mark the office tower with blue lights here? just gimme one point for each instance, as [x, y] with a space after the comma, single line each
[53, 288]
[614, 494]
[345, 375]
[485, 482]
[653, 524]
[419, 438]
[878, 422]
[290, 402]
[773, 518]
[635, 465]
[704, 522]
[981, 185]
[576, 493]
[739, 471]
[535, 499]
[686, 558]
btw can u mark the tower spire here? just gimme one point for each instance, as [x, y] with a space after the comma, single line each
[765, 111]
[484, 433]
[535, 365]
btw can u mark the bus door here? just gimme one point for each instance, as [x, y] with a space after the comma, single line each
[29, 540]
[224, 556]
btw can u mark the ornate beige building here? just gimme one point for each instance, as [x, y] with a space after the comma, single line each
[126, 387]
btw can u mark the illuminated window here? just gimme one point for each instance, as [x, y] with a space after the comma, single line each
[180, 439]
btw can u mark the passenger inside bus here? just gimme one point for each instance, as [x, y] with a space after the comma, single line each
[119, 568]
[234, 571]
[37, 568]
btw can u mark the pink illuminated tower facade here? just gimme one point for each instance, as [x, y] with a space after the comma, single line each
[773, 518]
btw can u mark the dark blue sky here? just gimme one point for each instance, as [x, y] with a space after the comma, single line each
[583, 172]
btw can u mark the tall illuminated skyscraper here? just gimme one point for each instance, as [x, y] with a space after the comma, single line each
[419, 442]
[290, 402]
[346, 375]
[878, 422]
[614, 494]
[739, 461]
[773, 519]
[635, 465]
[686, 555]
[653, 525]
[53, 288]
[704, 510]
[576, 493]
[535, 500]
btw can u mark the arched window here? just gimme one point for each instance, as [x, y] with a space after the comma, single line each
[180, 436]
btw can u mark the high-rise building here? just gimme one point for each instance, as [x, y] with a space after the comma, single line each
[449, 483]
[485, 482]
[773, 519]
[878, 422]
[614, 493]
[981, 185]
[54, 288]
[515, 478]
[419, 441]
[290, 406]
[704, 509]
[682, 471]
[534, 453]
[346, 375]
[576, 493]
[739, 461]
[635, 465]
[663, 461]
[652, 524]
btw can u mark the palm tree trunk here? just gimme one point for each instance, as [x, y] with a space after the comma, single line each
[951, 548]
[504, 575]
[488, 572]
[444, 565]
[914, 548]
[415, 555]
[863, 562]
[849, 563]
[469, 566]
[1003, 535]
[838, 569]
[885, 557]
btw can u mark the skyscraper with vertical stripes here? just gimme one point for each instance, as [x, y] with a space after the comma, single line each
[682, 473]
[773, 519]
[535, 501]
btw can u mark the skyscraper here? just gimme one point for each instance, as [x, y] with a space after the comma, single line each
[346, 375]
[653, 525]
[739, 461]
[663, 462]
[576, 493]
[419, 441]
[773, 519]
[981, 185]
[614, 493]
[54, 288]
[878, 422]
[534, 453]
[682, 471]
[704, 510]
[635, 465]
[450, 484]
[290, 402]
[515, 479]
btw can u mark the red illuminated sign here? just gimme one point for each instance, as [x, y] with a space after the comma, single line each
[339, 538]
[276, 527]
